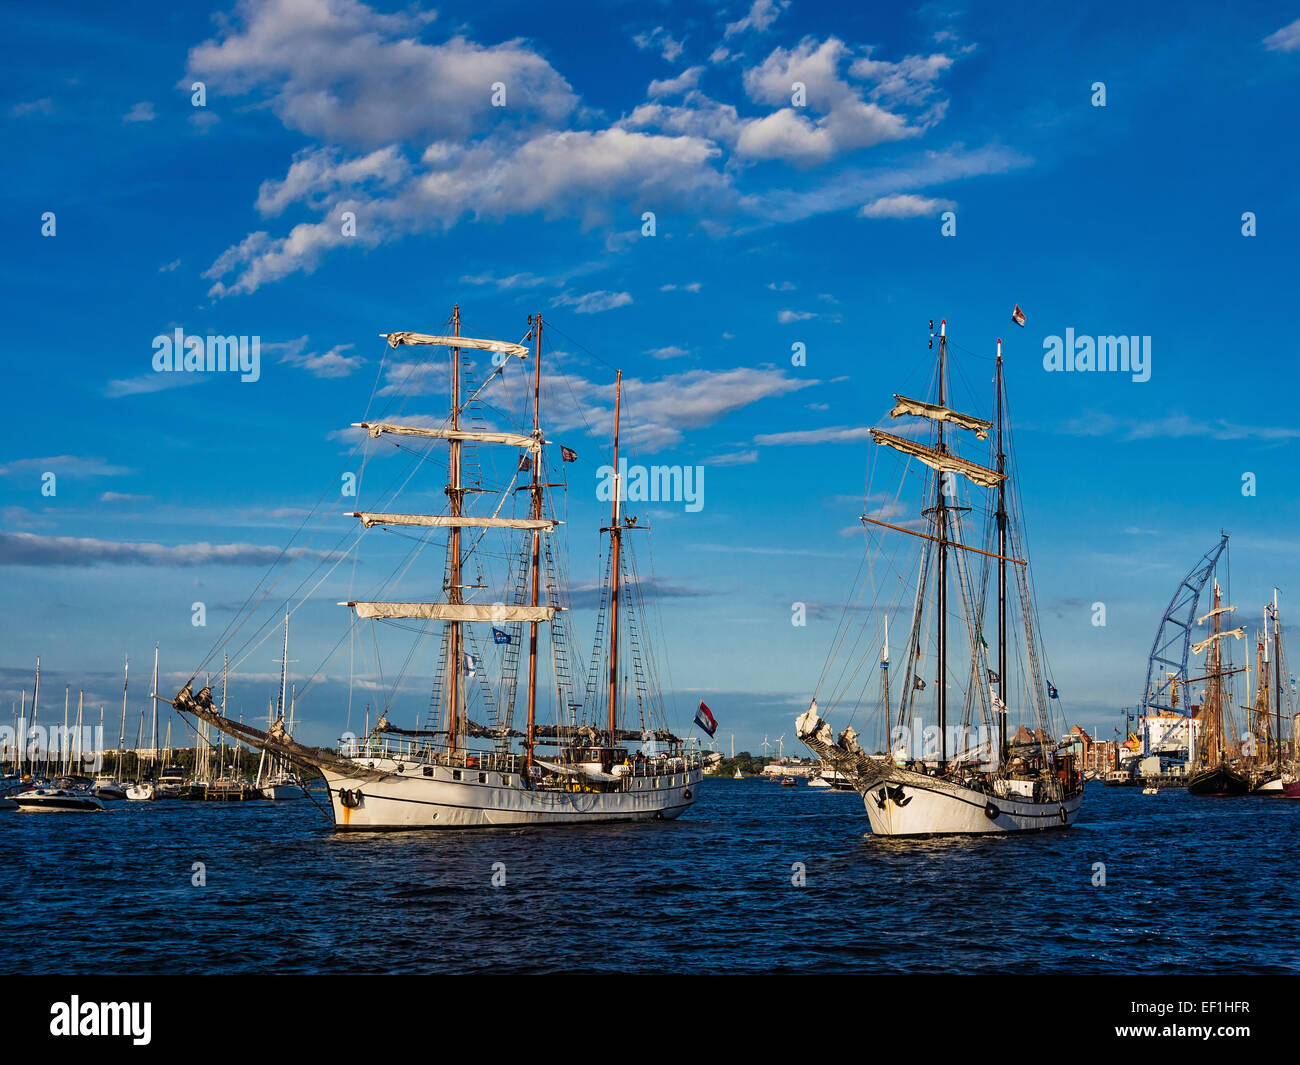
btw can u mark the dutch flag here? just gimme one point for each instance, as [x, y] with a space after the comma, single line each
[705, 719]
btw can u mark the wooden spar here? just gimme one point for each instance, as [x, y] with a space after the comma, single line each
[960, 547]
[1002, 565]
[1277, 668]
[614, 562]
[536, 487]
[454, 496]
[941, 507]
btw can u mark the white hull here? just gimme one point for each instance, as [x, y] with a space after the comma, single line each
[139, 792]
[56, 799]
[903, 803]
[1273, 787]
[281, 792]
[485, 798]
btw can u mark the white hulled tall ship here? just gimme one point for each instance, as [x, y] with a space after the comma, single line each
[946, 760]
[603, 754]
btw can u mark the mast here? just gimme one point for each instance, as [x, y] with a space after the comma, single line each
[455, 495]
[534, 566]
[884, 668]
[153, 732]
[284, 665]
[63, 740]
[941, 510]
[615, 537]
[121, 735]
[36, 696]
[1277, 679]
[1002, 568]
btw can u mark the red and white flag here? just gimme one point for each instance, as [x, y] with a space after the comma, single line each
[1018, 316]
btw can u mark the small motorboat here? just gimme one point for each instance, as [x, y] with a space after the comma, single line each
[1150, 789]
[140, 791]
[106, 788]
[787, 782]
[57, 799]
[819, 782]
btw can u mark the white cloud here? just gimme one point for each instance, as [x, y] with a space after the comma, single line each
[672, 351]
[687, 79]
[592, 302]
[29, 549]
[734, 458]
[762, 13]
[1287, 39]
[329, 364]
[343, 72]
[837, 434]
[141, 112]
[787, 317]
[317, 174]
[904, 205]
[659, 39]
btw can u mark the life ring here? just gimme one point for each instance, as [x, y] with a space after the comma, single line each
[992, 812]
[1065, 818]
[350, 799]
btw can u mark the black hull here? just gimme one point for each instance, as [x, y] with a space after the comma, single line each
[1219, 781]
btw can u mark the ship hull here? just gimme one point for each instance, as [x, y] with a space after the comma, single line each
[411, 800]
[903, 803]
[1219, 781]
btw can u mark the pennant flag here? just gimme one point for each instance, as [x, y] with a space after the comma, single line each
[705, 719]
[983, 642]
[1018, 316]
[993, 677]
[501, 637]
[1051, 691]
[918, 684]
[999, 707]
[568, 454]
[526, 463]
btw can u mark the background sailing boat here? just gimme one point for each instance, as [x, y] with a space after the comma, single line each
[946, 759]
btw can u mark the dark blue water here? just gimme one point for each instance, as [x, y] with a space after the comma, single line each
[1192, 885]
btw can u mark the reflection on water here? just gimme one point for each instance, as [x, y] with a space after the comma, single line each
[1189, 884]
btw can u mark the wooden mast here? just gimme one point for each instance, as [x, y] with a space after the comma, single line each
[1277, 680]
[941, 513]
[454, 495]
[536, 489]
[1002, 568]
[615, 536]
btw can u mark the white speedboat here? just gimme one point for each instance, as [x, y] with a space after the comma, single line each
[819, 782]
[56, 799]
[106, 788]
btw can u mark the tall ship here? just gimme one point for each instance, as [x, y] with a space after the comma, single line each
[965, 743]
[1218, 766]
[593, 743]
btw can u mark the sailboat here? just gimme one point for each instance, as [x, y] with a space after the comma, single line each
[963, 771]
[461, 772]
[143, 790]
[275, 780]
[1214, 767]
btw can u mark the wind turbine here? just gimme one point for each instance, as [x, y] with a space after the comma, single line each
[781, 747]
[765, 745]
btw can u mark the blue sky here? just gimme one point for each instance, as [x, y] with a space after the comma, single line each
[775, 224]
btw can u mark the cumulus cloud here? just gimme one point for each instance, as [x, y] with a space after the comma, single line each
[592, 302]
[762, 13]
[660, 40]
[141, 112]
[329, 364]
[687, 79]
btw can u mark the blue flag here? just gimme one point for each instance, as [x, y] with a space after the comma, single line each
[1051, 691]
[501, 637]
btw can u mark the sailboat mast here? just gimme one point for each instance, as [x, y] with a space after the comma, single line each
[534, 575]
[884, 668]
[153, 732]
[1277, 679]
[284, 665]
[454, 494]
[941, 513]
[1002, 568]
[121, 736]
[615, 537]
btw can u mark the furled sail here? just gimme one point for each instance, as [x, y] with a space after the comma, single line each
[1236, 634]
[453, 611]
[1217, 610]
[370, 519]
[517, 350]
[936, 460]
[532, 443]
[940, 414]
